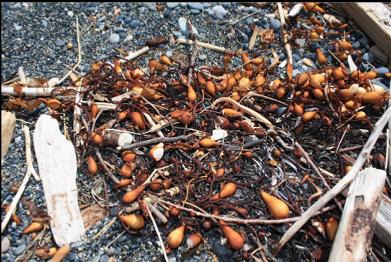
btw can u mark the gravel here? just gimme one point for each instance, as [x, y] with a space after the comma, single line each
[5, 244]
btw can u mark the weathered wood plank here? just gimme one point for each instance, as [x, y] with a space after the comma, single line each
[374, 19]
[56, 159]
[8, 122]
[383, 222]
[357, 226]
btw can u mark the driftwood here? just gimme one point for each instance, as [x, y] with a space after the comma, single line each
[383, 222]
[8, 122]
[344, 182]
[56, 159]
[121, 138]
[201, 44]
[357, 225]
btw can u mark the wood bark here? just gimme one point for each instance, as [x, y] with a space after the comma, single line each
[8, 122]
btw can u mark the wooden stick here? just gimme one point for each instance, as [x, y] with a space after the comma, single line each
[285, 34]
[32, 91]
[201, 44]
[136, 54]
[157, 140]
[357, 225]
[344, 182]
[148, 206]
[29, 172]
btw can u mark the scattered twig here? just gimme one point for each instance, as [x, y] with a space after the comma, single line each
[201, 44]
[157, 140]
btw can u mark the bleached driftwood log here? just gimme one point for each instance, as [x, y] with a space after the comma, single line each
[56, 159]
[8, 122]
[357, 226]
[383, 221]
[32, 91]
[121, 138]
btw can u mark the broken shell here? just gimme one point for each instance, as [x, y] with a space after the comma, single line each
[94, 110]
[176, 236]
[207, 142]
[130, 196]
[320, 57]
[277, 208]
[133, 221]
[228, 112]
[137, 119]
[92, 166]
[33, 227]
[157, 152]
[331, 228]
[308, 116]
[193, 240]
[61, 253]
[234, 239]
[191, 94]
[228, 190]
[128, 156]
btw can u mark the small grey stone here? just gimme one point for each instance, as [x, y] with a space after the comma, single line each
[18, 139]
[196, 5]
[104, 258]
[295, 72]
[219, 11]
[356, 44]
[114, 38]
[72, 256]
[364, 40]
[202, 57]
[227, 4]
[76, 244]
[249, 20]
[382, 70]
[17, 27]
[177, 33]
[44, 23]
[172, 259]
[151, 6]
[195, 11]
[70, 13]
[275, 23]
[183, 4]
[59, 42]
[101, 19]
[172, 5]
[96, 258]
[252, 9]
[169, 53]
[300, 42]
[206, 5]
[5, 244]
[134, 23]
[183, 26]
[111, 251]
[19, 250]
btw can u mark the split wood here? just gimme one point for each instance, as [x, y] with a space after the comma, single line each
[29, 172]
[343, 183]
[357, 225]
[201, 44]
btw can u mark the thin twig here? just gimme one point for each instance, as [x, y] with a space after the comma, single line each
[157, 140]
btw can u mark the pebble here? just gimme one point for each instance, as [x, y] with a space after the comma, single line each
[18, 139]
[196, 5]
[19, 250]
[70, 13]
[44, 23]
[202, 57]
[183, 26]
[134, 23]
[59, 42]
[114, 38]
[17, 27]
[195, 11]
[111, 251]
[172, 259]
[382, 70]
[96, 258]
[275, 24]
[151, 6]
[356, 44]
[172, 5]
[177, 33]
[104, 258]
[5, 244]
[249, 20]
[219, 11]
[300, 42]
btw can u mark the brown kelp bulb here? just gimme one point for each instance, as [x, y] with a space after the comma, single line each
[320, 57]
[244, 84]
[318, 93]
[372, 97]
[166, 184]
[128, 156]
[235, 96]
[92, 166]
[228, 190]
[122, 115]
[338, 73]
[193, 240]
[314, 35]
[207, 225]
[157, 152]
[165, 60]
[123, 183]
[117, 66]
[276, 153]
[331, 228]
[201, 80]
[174, 211]
[298, 109]
[210, 88]
[137, 119]
[61, 253]
[360, 115]
[153, 65]
[309, 5]
[260, 80]
[33, 227]
[280, 92]
[220, 172]
[303, 78]
[345, 44]
[130, 196]
[176, 236]
[257, 61]
[277, 208]
[94, 110]
[317, 80]
[97, 138]
[207, 142]
[191, 94]
[127, 169]
[349, 104]
[156, 184]
[228, 112]
[231, 82]
[133, 221]
[247, 154]
[308, 116]
[234, 239]
[53, 103]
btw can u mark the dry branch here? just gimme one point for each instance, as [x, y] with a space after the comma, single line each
[201, 44]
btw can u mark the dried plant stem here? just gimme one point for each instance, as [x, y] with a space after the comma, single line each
[285, 34]
[29, 172]
[342, 184]
[157, 140]
[201, 44]
[250, 94]
[148, 206]
[102, 162]
[138, 53]
[32, 91]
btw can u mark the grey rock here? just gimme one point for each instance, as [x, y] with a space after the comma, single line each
[19, 250]
[275, 23]
[17, 27]
[134, 23]
[104, 258]
[227, 4]
[177, 33]
[206, 5]
[111, 251]
[195, 11]
[172, 259]
[295, 72]
[59, 42]
[70, 13]
[169, 53]
[96, 258]
[382, 70]
[249, 20]
[252, 9]
[356, 44]
[76, 244]
[196, 5]
[300, 42]
[172, 5]
[202, 57]
[364, 40]
[114, 38]
[72, 256]
[5, 244]
[44, 23]
[151, 6]
[183, 26]
[18, 139]
[219, 11]
[101, 19]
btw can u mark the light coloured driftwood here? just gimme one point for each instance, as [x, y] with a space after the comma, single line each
[374, 19]
[201, 44]
[56, 159]
[253, 39]
[121, 138]
[383, 221]
[33, 91]
[342, 184]
[29, 172]
[8, 122]
[134, 55]
[357, 225]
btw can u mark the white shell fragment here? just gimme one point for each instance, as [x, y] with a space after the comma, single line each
[157, 152]
[352, 65]
[295, 10]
